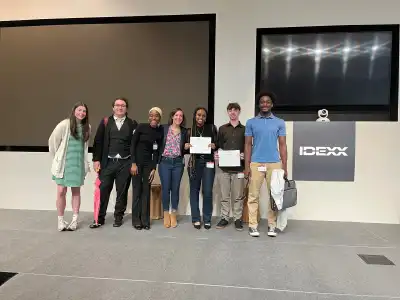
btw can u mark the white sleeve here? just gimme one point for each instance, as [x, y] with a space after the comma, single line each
[56, 137]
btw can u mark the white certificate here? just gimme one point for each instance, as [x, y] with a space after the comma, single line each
[229, 158]
[200, 145]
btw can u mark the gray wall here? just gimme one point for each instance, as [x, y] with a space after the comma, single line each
[45, 70]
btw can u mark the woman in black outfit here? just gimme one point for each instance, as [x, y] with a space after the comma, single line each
[201, 170]
[146, 143]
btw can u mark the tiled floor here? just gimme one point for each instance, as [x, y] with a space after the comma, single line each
[311, 260]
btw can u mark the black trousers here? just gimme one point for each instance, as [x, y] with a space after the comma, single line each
[141, 196]
[117, 170]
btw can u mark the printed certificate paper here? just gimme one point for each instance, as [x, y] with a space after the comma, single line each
[229, 158]
[200, 145]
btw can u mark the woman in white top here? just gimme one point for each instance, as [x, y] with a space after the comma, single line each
[68, 146]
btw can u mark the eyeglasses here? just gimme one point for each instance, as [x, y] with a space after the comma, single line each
[120, 105]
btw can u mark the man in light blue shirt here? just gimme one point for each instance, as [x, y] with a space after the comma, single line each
[262, 155]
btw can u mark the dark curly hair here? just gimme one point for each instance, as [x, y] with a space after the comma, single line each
[271, 95]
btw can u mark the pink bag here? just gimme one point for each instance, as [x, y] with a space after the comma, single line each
[96, 199]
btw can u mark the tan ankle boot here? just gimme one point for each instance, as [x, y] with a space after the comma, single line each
[167, 219]
[174, 222]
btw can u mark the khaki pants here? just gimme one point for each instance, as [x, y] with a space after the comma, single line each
[256, 181]
[232, 188]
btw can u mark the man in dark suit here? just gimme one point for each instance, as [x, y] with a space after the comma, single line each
[112, 159]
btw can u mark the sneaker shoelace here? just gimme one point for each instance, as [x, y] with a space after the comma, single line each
[73, 224]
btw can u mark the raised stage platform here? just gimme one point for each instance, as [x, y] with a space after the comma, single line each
[311, 260]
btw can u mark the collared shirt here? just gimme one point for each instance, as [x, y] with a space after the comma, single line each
[232, 138]
[119, 121]
[265, 132]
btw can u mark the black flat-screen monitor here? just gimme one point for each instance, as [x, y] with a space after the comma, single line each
[329, 66]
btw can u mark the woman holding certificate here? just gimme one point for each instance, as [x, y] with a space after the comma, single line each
[201, 169]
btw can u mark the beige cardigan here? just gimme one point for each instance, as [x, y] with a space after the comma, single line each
[58, 143]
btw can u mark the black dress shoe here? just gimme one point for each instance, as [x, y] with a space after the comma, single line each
[207, 226]
[117, 224]
[138, 227]
[147, 227]
[96, 225]
[197, 226]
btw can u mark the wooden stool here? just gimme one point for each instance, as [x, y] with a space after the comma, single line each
[245, 214]
[156, 211]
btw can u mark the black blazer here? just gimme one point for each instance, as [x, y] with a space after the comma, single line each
[184, 139]
[102, 139]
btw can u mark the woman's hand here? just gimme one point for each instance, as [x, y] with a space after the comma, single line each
[151, 177]
[134, 170]
[187, 146]
[212, 145]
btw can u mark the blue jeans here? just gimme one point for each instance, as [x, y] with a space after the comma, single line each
[205, 175]
[171, 171]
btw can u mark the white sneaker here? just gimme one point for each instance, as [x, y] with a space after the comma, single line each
[74, 223]
[272, 232]
[62, 225]
[254, 232]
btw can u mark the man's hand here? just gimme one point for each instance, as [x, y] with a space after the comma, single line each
[284, 168]
[247, 172]
[134, 170]
[242, 156]
[212, 145]
[151, 177]
[247, 176]
[216, 156]
[96, 166]
[187, 146]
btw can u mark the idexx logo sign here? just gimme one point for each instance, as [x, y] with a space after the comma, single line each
[324, 151]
